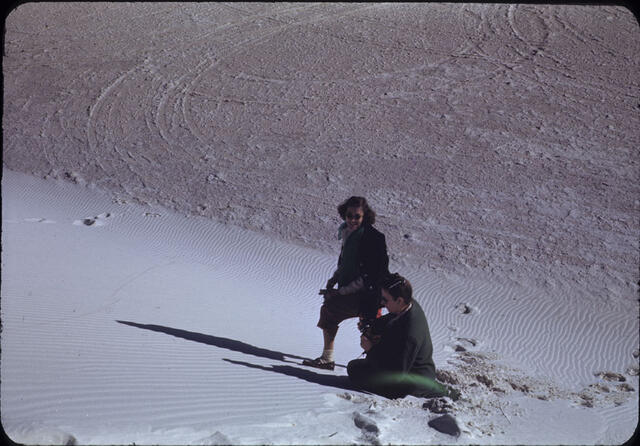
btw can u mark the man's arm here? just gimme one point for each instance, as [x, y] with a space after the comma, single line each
[408, 354]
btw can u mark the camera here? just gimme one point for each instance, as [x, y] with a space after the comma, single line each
[364, 325]
[369, 329]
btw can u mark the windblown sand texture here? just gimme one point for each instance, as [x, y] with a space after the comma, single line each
[148, 327]
[170, 294]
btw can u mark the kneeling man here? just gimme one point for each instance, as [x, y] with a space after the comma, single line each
[398, 347]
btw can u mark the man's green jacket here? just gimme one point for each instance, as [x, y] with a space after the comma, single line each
[405, 344]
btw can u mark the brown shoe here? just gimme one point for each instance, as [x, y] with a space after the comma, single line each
[320, 363]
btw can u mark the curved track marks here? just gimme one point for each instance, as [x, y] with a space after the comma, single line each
[224, 110]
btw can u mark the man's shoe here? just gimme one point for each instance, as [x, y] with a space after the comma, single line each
[320, 363]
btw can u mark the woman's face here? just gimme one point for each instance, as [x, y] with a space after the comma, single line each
[353, 217]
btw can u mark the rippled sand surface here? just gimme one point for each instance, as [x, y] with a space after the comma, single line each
[124, 324]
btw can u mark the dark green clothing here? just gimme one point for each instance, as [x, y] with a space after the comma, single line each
[394, 384]
[371, 262]
[405, 343]
[401, 362]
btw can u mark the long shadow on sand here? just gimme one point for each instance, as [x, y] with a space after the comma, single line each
[216, 341]
[339, 382]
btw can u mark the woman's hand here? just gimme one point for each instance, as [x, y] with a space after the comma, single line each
[329, 294]
[365, 343]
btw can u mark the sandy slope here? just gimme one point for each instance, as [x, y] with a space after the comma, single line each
[124, 323]
[499, 139]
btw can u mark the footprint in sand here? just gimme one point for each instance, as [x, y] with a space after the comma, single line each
[464, 344]
[463, 308]
[98, 220]
[459, 344]
[369, 428]
[610, 376]
[612, 388]
[39, 220]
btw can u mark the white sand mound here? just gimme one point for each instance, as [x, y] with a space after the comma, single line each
[156, 328]
[36, 434]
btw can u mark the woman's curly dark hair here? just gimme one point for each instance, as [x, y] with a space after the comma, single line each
[369, 217]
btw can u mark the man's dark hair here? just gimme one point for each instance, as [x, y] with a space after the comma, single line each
[369, 217]
[398, 286]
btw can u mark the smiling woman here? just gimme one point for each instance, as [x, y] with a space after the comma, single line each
[363, 262]
[354, 218]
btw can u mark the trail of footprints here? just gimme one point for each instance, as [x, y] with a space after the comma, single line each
[97, 220]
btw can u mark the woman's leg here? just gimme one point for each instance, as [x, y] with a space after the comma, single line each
[332, 312]
[329, 337]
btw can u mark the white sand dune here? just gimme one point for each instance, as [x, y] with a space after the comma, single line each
[170, 178]
[158, 328]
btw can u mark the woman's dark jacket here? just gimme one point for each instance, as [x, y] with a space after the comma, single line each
[373, 265]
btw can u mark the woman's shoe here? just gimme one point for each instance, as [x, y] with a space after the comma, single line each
[320, 363]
